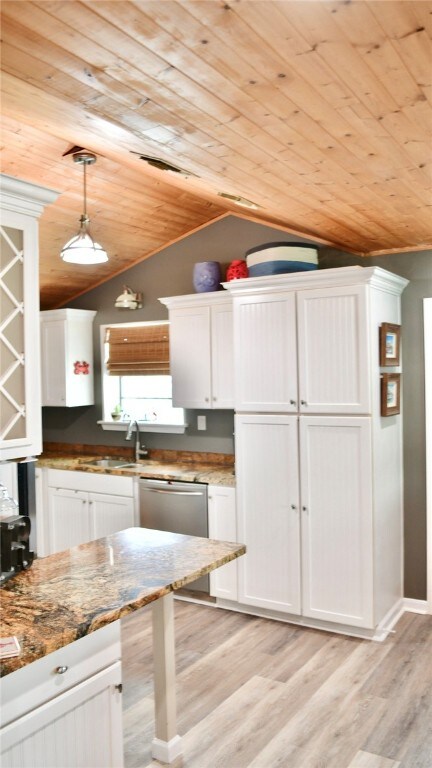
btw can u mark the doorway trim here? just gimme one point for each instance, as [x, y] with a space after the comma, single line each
[427, 316]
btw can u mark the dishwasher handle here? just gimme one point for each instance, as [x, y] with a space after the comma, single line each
[172, 493]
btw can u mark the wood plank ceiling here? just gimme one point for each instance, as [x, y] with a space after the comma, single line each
[318, 112]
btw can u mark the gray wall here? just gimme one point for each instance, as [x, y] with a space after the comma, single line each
[169, 273]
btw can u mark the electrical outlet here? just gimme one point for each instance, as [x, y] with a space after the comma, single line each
[201, 422]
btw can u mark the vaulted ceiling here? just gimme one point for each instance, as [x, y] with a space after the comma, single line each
[317, 112]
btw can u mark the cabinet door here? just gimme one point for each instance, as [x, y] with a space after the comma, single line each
[268, 511]
[109, 514]
[265, 351]
[222, 356]
[81, 727]
[333, 351]
[53, 363]
[337, 536]
[69, 519]
[222, 526]
[20, 399]
[190, 357]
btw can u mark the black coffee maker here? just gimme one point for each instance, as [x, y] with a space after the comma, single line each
[15, 554]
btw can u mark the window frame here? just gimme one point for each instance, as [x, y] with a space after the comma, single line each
[121, 426]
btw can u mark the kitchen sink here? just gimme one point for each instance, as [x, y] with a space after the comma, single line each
[108, 463]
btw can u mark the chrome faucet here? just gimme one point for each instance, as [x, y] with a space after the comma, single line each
[139, 451]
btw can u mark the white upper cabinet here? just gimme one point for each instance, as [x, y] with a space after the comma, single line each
[308, 343]
[265, 353]
[20, 396]
[201, 350]
[67, 357]
[333, 352]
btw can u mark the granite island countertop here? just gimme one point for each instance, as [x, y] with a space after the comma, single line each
[65, 596]
[193, 472]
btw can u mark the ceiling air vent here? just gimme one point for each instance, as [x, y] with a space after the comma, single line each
[241, 201]
[162, 165]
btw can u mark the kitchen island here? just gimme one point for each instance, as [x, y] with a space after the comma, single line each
[63, 600]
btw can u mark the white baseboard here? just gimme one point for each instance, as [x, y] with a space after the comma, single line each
[415, 606]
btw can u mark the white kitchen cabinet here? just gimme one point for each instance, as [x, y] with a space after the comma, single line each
[83, 506]
[329, 481]
[306, 516]
[109, 514]
[337, 519]
[20, 397]
[222, 526]
[201, 350]
[67, 357]
[265, 340]
[314, 341]
[268, 517]
[68, 519]
[71, 717]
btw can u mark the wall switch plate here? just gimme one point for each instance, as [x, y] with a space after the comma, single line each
[201, 422]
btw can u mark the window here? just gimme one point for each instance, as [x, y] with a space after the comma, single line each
[136, 381]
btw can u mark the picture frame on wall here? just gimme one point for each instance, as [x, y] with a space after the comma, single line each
[390, 394]
[389, 344]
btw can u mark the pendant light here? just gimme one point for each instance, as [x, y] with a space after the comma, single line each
[82, 249]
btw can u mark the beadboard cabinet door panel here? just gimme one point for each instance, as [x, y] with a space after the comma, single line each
[223, 526]
[80, 727]
[68, 519]
[222, 355]
[337, 519]
[265, 351]
[109, 514]
[268, 511]
[190, 357]
[334, 368]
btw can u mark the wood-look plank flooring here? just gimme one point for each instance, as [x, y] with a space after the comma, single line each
[255, 693]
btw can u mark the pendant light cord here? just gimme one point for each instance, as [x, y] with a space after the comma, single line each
[85, 189]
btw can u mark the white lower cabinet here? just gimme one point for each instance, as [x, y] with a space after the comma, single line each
[65, 709]
[83, 506]
[304, 500]
[268, 511]
[222, 526]
[336, 519]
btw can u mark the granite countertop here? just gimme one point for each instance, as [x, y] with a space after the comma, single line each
[73, 593]
[194, 472]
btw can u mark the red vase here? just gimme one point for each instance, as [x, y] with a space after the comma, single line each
[236, 270]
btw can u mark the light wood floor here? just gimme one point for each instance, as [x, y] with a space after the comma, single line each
[254, 693]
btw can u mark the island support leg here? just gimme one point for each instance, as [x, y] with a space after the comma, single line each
[166, 745]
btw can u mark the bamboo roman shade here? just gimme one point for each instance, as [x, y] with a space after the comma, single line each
[138, 351]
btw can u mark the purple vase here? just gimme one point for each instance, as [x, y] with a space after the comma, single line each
[206, 276]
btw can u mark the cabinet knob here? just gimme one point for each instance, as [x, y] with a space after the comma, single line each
[292, 402]
[303, 402]
[214, 398]
[61, 670]
[293, 506]
[206, 399]
[304, 509]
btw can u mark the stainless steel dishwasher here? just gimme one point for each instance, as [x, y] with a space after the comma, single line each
[168, 505]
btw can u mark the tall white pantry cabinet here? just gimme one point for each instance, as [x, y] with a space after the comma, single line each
[318, 469]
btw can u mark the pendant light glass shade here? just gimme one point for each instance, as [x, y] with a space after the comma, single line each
[82, 249]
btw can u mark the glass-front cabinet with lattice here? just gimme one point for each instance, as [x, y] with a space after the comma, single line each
[20, 404]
